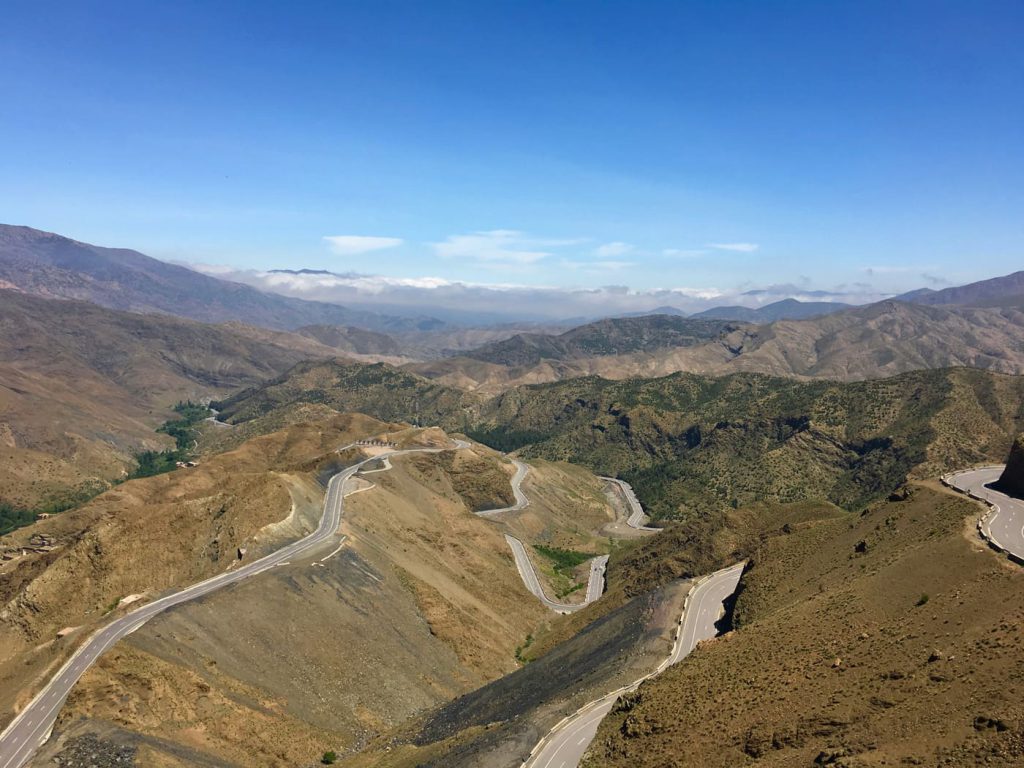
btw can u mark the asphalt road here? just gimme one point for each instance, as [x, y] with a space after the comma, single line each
[564, 746]
[527, 571]
[1004, 525]
[517, 491]
[637, 517]
[31, 727]
[595, 584]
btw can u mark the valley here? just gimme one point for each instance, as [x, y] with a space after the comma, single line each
[396, 547]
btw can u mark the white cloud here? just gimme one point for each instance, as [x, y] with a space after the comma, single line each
[510, 302]
[611, 250]
[683, 253]
[496, 246]
[738, 247]
[351, 245]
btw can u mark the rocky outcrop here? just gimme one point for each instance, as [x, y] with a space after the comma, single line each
[1012, 480]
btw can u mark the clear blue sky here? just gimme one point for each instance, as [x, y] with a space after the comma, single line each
[619, 142]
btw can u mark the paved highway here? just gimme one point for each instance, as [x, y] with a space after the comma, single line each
[527, 571]
[595, 584]
[32, 725]
[1004, 524]
[564, 746]
[637, 517]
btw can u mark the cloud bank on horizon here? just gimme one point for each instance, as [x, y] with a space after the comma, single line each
[497, 302]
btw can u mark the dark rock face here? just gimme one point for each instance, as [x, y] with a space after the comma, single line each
[1012, 480]
[90, 751]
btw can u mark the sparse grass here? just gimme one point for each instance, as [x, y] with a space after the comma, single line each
[563, 560]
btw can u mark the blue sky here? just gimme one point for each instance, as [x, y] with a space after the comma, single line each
[857, 147]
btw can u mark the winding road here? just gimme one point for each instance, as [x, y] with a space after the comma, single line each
[637, 517]
[525, 566]
[565, 744]
[595, 583]
[517, 491]
[32, 726]
[1004, 524]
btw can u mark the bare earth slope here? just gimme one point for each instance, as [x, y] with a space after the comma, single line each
[82, 388]
[422, 603]
[148, 535]
[889, 638]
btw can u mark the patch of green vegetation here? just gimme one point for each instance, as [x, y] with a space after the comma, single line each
[183, 430]
[563, 560]
[330, 757]
[13, 517]
[502, 438]
[569, 590]
[521, 649]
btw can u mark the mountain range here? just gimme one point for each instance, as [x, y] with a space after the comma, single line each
[46, 264]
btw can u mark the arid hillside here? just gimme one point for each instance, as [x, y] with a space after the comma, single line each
[887, 638]
[862, 343]
[144, 536]
[83, 388]
[49, 265]
[421, 604]
[694, 444]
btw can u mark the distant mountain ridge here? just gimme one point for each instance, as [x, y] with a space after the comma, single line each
[1004, 291]
[869, 342]
[53, 266]
[604, 337]
[786, 309]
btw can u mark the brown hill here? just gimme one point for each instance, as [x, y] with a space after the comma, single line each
[82, 388]
[888, 638]
[423, 603]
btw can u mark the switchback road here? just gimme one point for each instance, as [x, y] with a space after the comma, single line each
[595, 584]
[564, 746]
[527, 571]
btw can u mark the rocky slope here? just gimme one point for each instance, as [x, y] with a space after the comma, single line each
[1012, 479]
[889, 638]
